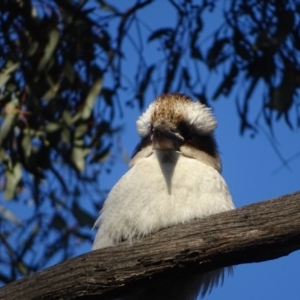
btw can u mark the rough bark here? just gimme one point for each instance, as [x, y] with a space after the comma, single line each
[254, 233]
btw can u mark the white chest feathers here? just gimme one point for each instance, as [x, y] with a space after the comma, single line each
[159, 191]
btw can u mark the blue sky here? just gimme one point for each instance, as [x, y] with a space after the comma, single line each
[250, 167]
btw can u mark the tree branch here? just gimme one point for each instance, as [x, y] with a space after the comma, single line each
[254, 233]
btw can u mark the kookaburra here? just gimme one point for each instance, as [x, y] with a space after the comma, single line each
[174, 177]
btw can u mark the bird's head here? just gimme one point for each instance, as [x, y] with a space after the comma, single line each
[174, 122]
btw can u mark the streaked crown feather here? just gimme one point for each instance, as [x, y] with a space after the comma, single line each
[172, 109]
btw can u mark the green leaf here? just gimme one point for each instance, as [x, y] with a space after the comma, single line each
[78, 155]
[65, 135]
[52, 92]
[90, 99]
[3, 156]
[9, 119]
[26, 143]
[53, 40]
[23, 269]
[67, 117]
[5, 73]
[80, 131]
[7, 214]
[12, 179]
[53, 126]
[32, 48]
[69, 72]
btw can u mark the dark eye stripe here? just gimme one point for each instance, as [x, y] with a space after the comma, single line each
[186, 130]
[206, 144]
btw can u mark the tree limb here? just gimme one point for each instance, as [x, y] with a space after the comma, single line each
[254, 233]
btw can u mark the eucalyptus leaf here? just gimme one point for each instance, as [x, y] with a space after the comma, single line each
[23, 269]
[65, 135]
[69, 71]
[91, 98]
[12, 179]
[78, 157]
[52, 92]
[9, 119]
[53, 126]
[26, 144]
[81, 130]
[5, 73]
[9, 215]
[53, 40]
[67, 117]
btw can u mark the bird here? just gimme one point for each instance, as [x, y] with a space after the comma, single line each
[174, 177]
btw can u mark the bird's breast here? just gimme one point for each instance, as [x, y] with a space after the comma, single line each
[160, 191]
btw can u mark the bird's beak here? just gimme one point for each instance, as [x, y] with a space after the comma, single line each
[165, 139]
